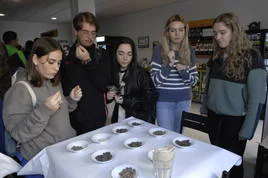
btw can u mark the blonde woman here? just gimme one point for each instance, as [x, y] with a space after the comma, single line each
[235, 88]
[173, 73]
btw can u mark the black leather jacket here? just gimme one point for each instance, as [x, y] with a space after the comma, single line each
[139, 102]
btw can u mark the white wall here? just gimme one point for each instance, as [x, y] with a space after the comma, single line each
[30, 30]
[151, 22]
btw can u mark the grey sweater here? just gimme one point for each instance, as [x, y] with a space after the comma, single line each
[36, 127]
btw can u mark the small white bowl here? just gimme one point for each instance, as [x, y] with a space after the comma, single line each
[116, 171]
[131, 140]
[181, 139]
[100, 153]
[120, 129]
[135, 123]
[77, 146]
[157, 132]
[100, 137]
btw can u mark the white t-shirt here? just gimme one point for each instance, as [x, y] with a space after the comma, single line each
[121, 110]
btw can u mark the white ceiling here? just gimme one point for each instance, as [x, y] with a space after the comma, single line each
[43, 10]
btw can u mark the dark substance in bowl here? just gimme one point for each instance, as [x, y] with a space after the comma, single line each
[159, 132]
[128, 172]
[135, 144]
[136, 124]
[104, 157]
[121, 130]
[76, 148]
[183, 142]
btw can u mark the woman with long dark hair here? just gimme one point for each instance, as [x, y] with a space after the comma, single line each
[135, 94]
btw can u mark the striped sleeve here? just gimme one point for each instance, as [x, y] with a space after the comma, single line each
[189, 76]
[159, 73]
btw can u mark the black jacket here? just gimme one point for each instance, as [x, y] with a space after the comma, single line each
[138, 102]
[92, 78]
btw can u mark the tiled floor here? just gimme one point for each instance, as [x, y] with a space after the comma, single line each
[251, 148]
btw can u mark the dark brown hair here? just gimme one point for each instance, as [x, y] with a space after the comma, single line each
[42, 46]
[132, 69]
[9, 36]
[85, 17]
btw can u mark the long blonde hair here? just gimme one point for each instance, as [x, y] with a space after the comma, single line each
[184, 49]
[237, 52]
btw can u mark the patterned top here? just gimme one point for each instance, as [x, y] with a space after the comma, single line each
[173, 85]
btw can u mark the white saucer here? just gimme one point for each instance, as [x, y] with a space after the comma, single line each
[120, 129]
[116, 171]
[77, 146]
[182, 139]
[150, 154]
[100, 152]
[130, 140]
[135, 123]
[153, 132]
[100, 137]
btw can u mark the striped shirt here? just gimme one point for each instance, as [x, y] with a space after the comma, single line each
[172, 85]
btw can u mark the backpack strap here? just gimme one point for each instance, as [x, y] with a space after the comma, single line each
[10, 144]
[31, 92]
[14, 78]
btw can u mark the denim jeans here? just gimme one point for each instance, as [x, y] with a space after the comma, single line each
[169, 114]
[23, 162]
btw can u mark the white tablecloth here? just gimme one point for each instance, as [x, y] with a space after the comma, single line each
[200, 160]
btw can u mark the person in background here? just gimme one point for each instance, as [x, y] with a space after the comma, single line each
[235, 88]
[136, 95]
[174, 72]
[35, 39]
[88, 67]
[5, 77]
[19, 47]
[17, 58]
[37, 125]
[28, 48]
[5, 83]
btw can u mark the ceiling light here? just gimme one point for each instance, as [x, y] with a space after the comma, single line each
[2, 15]
[53, 18]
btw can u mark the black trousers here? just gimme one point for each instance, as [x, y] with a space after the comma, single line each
[223, 132]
